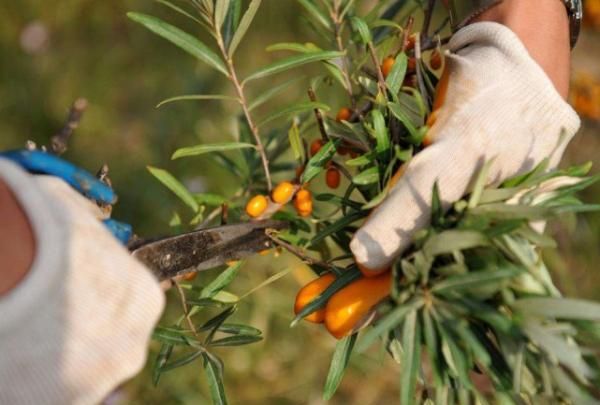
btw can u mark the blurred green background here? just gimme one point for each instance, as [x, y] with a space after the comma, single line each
[54, 52]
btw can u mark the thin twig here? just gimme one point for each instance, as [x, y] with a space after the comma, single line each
[427, 18]
[318, 115]
[242, 99]
[185, 307]
[224, 213]
[380, 78]
[337, 23]
[58, 143]
[420, 80]
[298, 252]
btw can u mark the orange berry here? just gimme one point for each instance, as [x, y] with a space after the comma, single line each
[375, 272]
[311, 291]
[435, 61]
[316, 146]
[343, 114]
[352, 303]
[304, 208]
[283, 192]
[333, 177]
[410, 42]
[387, 65]
[189, 276]
[412, 65]
[303, 203]
[257, 205]
[303, 195]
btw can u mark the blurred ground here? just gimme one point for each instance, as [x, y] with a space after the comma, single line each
[53, 52]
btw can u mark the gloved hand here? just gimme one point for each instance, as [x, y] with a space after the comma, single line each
[493, 101]
[80, 321]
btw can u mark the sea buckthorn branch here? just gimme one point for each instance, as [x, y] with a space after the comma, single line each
[58, 143]
[338, 25]
[318, 116]
[239, 89]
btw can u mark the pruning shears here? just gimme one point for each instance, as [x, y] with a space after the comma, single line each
[166, 257]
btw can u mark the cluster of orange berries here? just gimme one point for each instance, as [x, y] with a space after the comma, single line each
[585, 96]
[285, 191]
[435, 62]
[348, 308]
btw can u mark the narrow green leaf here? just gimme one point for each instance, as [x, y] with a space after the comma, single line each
[416, 137]
[174, 337]
[437, 212]
[316, 14]
[337, 226]
[411, 359]
[181, 39]
[339, 362]
[181, 11]
[378, 198]
[209, 199]
[293, 46]
[432, 345]
[453, 240]
[317, 162]
[208, 148]
[360, 26]
[196, 97]
[268, 281]
[396, 77]
[222, 280]
[243, 27]
[366, 177]
[560, 308]
[480, 182]
[237, 340]
[270, 93]
[221, 8]
[238, 329]
[461, 282]
[175, 186]
[294, 109]
[557, 346]
[380, 131]
[296, 143]
[292, 62]
[215, 379]
[215, 322]
[388, 322]
[362, 160]
[231, 23]
[166, 349]
[182, 361]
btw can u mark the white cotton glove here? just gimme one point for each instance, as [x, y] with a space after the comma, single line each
[80, 322]
[498, 104]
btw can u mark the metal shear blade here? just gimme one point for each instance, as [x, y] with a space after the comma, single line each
[204, 249]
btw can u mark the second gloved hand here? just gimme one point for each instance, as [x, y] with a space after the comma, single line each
[493, 102]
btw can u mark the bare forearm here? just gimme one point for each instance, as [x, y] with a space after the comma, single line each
[543, 27]
[17, 244]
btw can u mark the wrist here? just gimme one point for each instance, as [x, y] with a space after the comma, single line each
[543, 27]
[17, 245]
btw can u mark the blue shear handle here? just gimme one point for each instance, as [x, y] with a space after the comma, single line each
[36, 161]
[120, 230]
